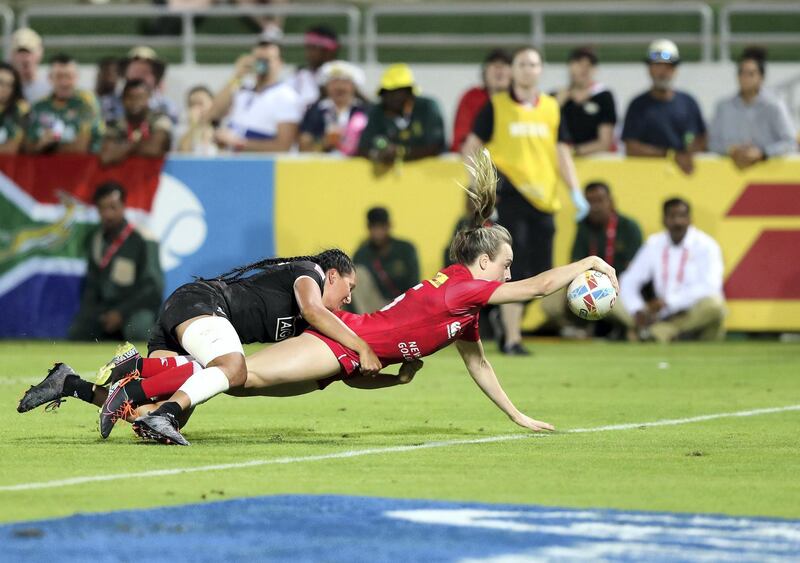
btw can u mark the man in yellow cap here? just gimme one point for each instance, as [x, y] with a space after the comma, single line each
[404, 125]
[26, 54]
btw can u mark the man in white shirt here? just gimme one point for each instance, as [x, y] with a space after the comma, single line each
[26, 54]
[685, 267]
[263, 113]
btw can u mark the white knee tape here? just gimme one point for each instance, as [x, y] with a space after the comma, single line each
[203, 385]
[211, 337]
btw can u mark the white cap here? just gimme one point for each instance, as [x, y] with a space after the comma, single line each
[343, 70]
[663, 51]
[26, 39]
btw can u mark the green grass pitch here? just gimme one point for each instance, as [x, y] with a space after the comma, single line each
[746, 466]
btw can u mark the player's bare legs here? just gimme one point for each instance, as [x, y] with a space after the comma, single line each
[303, 358]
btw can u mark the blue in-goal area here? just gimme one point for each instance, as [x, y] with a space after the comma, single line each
[341, 528]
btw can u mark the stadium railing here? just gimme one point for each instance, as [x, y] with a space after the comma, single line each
[538, 33]
[189, 39]
[7, 17]
[728, 37]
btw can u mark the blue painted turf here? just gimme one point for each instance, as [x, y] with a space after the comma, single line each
[338, 528]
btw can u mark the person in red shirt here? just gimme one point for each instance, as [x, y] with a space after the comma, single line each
[496, 76]
[426, 318]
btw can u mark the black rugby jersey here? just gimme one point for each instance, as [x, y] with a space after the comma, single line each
[263, 308]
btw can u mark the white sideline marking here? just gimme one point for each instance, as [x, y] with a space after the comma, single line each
[374, 451]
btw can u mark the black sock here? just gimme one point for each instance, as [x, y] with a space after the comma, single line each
[76, 387]
[135, 392]
[170, 407]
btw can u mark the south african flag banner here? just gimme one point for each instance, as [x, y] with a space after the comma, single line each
[45, 216]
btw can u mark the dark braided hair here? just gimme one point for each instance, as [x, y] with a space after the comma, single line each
[333, 258]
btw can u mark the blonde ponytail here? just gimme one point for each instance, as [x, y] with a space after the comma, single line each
[470, 243]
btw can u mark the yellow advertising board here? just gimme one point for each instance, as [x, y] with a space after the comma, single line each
[755, 216]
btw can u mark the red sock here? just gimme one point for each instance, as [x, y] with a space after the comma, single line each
[167, 382]
[154, 366]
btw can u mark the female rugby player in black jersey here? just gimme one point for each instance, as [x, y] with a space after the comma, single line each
[209, 319]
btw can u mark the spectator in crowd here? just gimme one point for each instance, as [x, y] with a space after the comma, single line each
[13, 110]
[606, 233]
[68, 120]
[263, 112]
[198, 134]
[140, 132]
[753, 125]
[664, 119]
[105, 89]
[587, 106]
[124, 281]
[335, 122]
[684, 266]
[404, 125]
[496, 77]
[386, 267]
[522, 129]
[143, 63]
[321, 46]
[26, 54]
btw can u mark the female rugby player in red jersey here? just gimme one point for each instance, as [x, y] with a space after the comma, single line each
[426, 318]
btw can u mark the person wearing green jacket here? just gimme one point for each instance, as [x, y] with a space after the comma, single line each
[606, 233]
[385, 266]
[124, 281]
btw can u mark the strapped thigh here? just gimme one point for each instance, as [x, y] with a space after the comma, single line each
[208, 338]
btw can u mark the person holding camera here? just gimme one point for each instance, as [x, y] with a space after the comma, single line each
[263, 112]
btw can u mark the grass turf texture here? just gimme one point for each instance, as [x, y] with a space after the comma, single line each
[742, 466]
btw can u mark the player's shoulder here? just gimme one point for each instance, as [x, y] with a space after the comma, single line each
[305, 268]
[456, 275]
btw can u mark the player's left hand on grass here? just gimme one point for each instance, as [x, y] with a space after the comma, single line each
[370, 364]
[536, 425]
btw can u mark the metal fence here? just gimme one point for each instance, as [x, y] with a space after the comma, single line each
[189, 40]
[373, 39]
[728, 37]
[7, 17]
[538, 35]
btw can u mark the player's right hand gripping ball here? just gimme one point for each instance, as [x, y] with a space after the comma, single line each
[591, 295]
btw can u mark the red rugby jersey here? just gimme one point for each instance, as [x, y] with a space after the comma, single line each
[426, 318]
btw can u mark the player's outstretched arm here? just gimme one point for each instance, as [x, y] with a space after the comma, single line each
[483, 374]
[309, 298]
[550, 281]
[382, 380]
